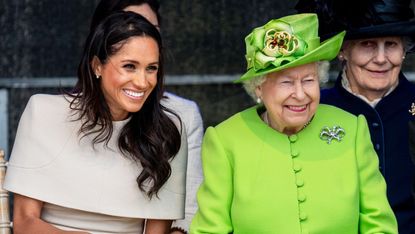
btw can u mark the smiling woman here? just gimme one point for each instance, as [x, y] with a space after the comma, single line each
[373, 65]
[288, 164]
[379, 34]
[110, 145]
[129, 76]
[292, 97]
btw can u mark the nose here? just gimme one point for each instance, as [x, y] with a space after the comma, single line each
[380, 56]
[299, 91]
[139, 79]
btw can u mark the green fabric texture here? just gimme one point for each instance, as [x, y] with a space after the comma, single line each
[258, 180]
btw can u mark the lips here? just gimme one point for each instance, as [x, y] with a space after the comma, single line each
[297, 108]
[133, 94]
[377, 73]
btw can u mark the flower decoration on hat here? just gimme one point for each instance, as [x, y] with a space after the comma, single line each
[273, 44]
[287, 42]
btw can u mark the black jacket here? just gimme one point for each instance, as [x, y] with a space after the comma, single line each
[388, 123]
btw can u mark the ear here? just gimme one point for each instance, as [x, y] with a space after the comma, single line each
[258, 91]
[340, 56]
[96, 66]
[343, 53]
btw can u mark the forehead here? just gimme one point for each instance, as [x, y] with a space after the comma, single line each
[374, 40]
[137, 47]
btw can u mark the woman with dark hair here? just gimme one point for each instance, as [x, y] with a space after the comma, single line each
[186, 109]
[107, 158]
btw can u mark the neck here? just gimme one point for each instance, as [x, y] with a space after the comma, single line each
[286, 130]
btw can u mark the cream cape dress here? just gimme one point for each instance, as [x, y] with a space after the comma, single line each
[83, 188]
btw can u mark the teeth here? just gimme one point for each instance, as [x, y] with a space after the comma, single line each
[297, 107]
[133, 94]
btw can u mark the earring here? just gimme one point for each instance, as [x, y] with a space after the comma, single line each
[258, 100]
[97, 76]
[403, 57]
[341, 57]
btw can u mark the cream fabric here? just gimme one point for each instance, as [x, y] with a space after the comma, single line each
[93, 222]
[50, 163]
[189, 113]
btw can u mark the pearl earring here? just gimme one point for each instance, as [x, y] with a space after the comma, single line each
[97, 76]
[403, 57]
[258, 100]
[341, 57]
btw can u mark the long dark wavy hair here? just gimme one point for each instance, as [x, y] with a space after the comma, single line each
[106, 7]
[150, 137]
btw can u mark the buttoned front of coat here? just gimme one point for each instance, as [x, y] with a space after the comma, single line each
[258, 180]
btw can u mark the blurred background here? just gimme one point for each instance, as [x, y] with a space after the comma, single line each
[41, 43]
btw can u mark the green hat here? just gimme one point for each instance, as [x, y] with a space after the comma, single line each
[287, 42]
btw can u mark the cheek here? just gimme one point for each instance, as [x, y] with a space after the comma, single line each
[359, 59]
[357, 56]
[110, 83]
[396, 60]
[271, 94]
[153, 81]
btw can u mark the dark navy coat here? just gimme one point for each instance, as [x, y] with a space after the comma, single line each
[388, 123]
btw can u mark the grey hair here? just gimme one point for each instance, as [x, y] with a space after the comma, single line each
[252, 84]
[408, 44]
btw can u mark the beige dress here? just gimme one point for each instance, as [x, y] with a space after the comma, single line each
[85, 188]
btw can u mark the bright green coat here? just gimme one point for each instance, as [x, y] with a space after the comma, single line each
[259, 181]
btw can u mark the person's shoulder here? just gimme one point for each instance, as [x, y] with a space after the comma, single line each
[330, 111]
[47, 100]
[186, 109]
[329, 91]
[173, 101]
[235, 121]
[329, 95]
[47, 106]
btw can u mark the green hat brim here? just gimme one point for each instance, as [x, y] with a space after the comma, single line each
[326, 51]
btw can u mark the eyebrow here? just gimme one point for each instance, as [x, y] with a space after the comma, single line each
[136, 62]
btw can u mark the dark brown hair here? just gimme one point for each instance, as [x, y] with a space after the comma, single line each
[150, 137]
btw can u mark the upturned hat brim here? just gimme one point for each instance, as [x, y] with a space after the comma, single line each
[382, 30]
[327, 50]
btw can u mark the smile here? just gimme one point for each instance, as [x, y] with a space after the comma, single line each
[133, 94]
[376, 73]
[297, 108]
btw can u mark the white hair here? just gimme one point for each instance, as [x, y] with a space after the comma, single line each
[252, 84]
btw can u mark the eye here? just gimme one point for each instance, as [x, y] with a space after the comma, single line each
[391, 44]
[152, 68]
[286, 82]
[129, 66]
[368, 44]
[309, 80]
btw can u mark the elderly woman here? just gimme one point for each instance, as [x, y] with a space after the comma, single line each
[290, 165]
[378, 35]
